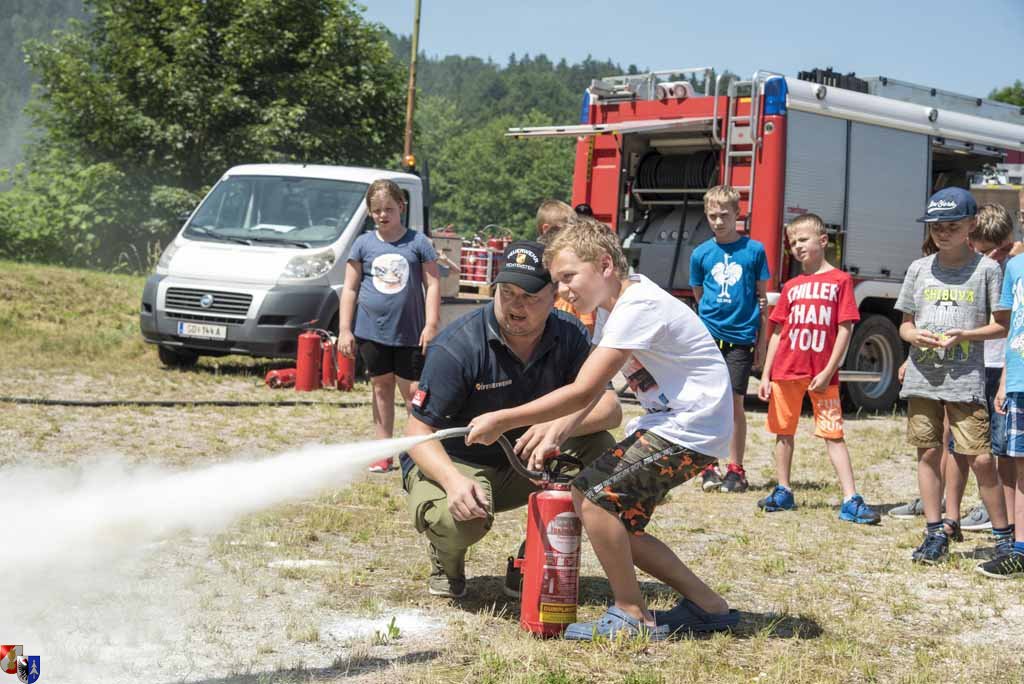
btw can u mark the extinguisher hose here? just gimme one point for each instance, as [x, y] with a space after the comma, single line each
[546, 475]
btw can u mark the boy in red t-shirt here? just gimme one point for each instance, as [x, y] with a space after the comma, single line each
[812, 324]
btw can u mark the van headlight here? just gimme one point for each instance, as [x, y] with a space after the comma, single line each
[306, 266]
[165, 258]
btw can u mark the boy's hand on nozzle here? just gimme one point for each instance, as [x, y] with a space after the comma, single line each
[539, 455]
[819, 382]
[347, 343]
[764, 390]
[485, 428]
[542, 437]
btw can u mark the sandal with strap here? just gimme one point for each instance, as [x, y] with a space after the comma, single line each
[955, 535]
[613, 622]
[688, 617]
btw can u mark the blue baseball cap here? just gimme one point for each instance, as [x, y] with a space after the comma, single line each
[949, 204]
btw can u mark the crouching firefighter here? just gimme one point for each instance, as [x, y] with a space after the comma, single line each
[504, 354]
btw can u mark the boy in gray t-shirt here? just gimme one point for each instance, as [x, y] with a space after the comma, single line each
[941, 299]
[946, 300]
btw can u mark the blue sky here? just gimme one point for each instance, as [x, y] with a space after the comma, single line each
[967, 47]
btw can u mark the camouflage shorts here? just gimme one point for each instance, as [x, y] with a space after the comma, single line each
[632, 478]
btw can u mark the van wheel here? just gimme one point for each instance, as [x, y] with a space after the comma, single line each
[177, 357]
[875, 347]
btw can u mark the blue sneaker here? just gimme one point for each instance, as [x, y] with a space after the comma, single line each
[781, 499]
[856, 511]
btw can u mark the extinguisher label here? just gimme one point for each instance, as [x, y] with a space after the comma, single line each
[561, 569]
[419, 398]
[558, 613]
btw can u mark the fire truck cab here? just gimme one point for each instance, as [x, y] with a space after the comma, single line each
[864, 154]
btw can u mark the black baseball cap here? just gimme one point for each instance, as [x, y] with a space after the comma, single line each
[524, 266]
[949, 204]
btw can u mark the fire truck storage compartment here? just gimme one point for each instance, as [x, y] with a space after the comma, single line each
[662, 218]
[888, 184]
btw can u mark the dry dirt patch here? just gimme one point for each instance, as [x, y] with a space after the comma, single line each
[306, 591]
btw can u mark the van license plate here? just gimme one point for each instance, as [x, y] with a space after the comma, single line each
[203, 330]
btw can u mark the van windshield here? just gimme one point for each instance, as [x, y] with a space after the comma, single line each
[298, 212]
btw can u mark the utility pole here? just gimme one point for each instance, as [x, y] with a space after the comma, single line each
[407, 159]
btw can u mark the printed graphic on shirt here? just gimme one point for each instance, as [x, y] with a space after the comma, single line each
[726, 273]
[637, 377]
[390, 273]
[1017, 322]
[947, 313]
[805, 314]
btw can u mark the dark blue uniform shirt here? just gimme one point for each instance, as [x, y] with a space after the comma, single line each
[469, 370]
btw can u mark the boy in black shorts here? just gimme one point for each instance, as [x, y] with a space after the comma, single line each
[729, 276]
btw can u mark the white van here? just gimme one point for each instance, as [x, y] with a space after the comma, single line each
[262, 255]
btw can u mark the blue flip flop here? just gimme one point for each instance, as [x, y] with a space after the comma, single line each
[688, 617]
[611, 624]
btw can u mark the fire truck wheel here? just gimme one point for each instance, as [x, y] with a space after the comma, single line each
[876, 347]
[177, 358]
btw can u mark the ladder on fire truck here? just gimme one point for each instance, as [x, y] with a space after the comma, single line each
[741, 137]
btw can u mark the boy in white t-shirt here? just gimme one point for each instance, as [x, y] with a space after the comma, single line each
[680, 378]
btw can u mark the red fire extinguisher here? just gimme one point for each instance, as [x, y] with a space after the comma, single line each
[328, 363]
[346, 372]
[307, 362]
[284, 377]
[551, 564]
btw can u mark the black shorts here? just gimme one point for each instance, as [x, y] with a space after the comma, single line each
[380, 359]
[740, 360]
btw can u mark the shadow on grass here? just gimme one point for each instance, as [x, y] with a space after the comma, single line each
[484, 594]
[982, 553]
[342, 667]
[885, 508]
[776, 626]
[235, 368]
[797, 485]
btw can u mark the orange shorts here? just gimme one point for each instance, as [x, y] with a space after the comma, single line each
[785, 402]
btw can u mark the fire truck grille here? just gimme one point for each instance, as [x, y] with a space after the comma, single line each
[229, 303]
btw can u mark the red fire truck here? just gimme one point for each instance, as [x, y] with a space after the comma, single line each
[864, 154]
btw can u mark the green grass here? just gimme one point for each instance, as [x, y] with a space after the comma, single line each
[822, 601]
[74, 334]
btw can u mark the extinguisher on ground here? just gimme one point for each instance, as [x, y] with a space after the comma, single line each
[307, 361]
[319, 362]
[551, 564]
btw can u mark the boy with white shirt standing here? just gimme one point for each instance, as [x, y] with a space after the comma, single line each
[680, 378]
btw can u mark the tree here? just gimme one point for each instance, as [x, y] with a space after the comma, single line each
[161, 97]
[178, 90]
[23, 20]
[481, 177]
[1013, 94]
